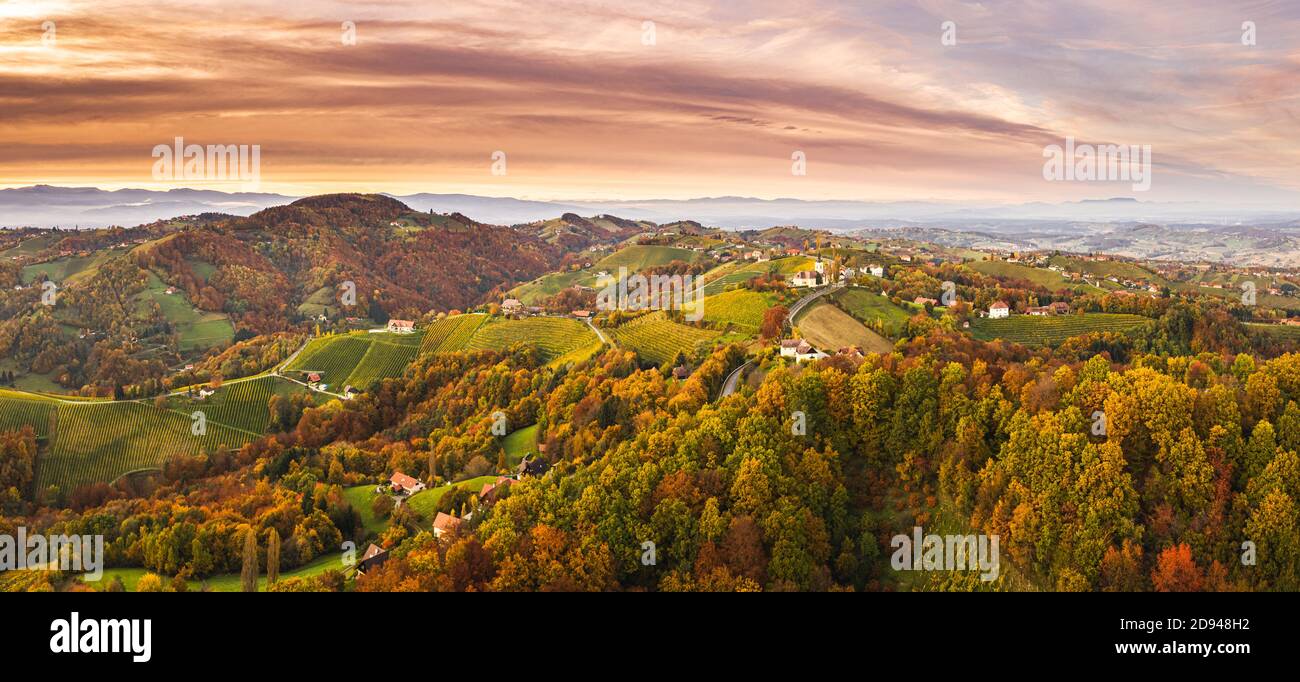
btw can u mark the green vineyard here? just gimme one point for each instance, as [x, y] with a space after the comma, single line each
[741, 308]
[450, 334]
[1050, 330]
[103, 441]
[658, 339]
[554, 336]
[21, 409]
[382, 361]
[335, 358]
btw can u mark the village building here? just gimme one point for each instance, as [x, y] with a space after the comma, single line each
[999, 309]
[401, 326]
[531, 467]
[493, 490]
[444, 523]
[807, 278]
[401, 483]
[511, 306]
[877, 271]
[374, 557]
[921, 300]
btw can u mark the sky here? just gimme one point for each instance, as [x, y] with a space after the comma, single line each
[883, 101]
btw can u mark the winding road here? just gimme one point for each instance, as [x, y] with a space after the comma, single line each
[803, 302]
[733, 379]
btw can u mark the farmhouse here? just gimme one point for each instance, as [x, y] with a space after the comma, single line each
[401, 483]
[444, 523]
[401, 326]
[582, 314]
[790, 347]
[877, 271]
[374, 557]
[921, 300]
[313, 378]
[1038, 310]
[511, 306]
[492, 491]
[531, 467]
[999, 309]
[806, 352]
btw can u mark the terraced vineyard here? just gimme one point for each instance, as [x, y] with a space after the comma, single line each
[335, 358]
[555, 336]
[450, 334]
[102, 441]
[658, 339]
[741, 308]
[382, 361]
[18, 410]
[1051, 330]
[241, 405]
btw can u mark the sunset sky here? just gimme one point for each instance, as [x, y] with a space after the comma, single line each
[585, 109]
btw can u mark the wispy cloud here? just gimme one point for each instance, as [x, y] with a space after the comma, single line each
[583, 107]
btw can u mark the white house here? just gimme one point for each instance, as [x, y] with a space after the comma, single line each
[790, 347]
[999, 309]
[806, 352]
[806, 278]
[877, 271]
[510, 306]
[401, 326]
[820, 266]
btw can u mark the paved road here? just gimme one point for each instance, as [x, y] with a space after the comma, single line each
[603, 338]
[803, 302]
[733, 379]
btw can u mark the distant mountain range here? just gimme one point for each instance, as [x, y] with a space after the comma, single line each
[70, 207]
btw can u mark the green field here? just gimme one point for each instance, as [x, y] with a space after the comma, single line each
[520, 442]
[229, 582]
[556, 337]
[875, 311]
[361, 497]
[1052, 329]
[1284, 332]
[64, 271]
[1040, 276]
[637, 258]
[657, 339]
[197, 329]
[426, 501]
[450, 334]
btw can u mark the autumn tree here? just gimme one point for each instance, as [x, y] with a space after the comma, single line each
[248, 576]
